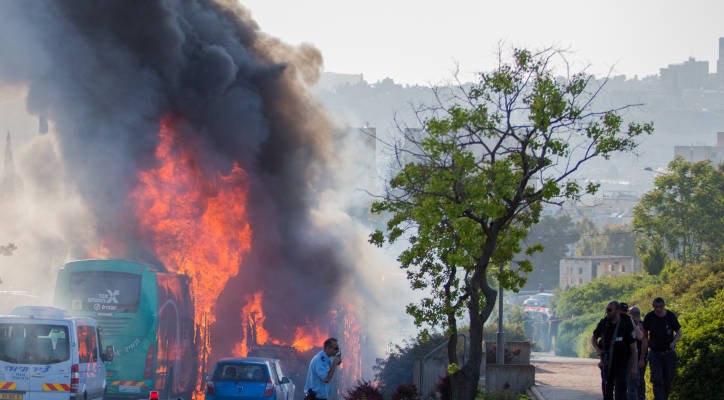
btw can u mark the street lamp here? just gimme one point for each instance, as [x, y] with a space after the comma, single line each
[500, 353]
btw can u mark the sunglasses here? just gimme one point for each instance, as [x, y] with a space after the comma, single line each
[609, 310]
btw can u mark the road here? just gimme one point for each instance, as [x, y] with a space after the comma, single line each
[566, 378]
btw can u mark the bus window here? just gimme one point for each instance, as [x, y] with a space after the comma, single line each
[105, 291]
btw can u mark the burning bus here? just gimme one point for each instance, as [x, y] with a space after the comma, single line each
[146, 314]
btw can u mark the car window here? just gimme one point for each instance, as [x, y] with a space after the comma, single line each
[241, 372]
[84, 352]
[93, 336]
[33, 344]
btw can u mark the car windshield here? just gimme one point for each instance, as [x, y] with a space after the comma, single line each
[241, 372]
[33, 344]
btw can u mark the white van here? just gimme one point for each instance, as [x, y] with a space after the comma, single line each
[47, 355]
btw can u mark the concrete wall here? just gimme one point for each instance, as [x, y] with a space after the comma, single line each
[615, 266]
[517, 353]
[515, 377]
[574, 272]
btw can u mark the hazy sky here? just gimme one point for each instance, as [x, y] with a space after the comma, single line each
[420, 41]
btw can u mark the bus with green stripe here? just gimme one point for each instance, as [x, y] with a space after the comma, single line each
[146, 313]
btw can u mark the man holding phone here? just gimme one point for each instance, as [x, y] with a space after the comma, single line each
[321, 370]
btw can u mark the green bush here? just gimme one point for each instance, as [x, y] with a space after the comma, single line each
[593, 297]
[685, 289]
[502, 395]
[571, 332]
[583, 346]
[701, 352]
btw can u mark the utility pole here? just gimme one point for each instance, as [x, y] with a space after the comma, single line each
[500, 353]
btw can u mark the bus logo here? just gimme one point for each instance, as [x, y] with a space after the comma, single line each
[112, 296]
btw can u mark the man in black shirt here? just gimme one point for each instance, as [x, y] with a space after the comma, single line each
[616, 347]
[663, 331]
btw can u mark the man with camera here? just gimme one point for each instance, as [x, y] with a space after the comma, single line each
[321, 370]
[616, 347]
[663, 331]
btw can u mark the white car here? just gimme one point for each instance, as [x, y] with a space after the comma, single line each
[47, 355]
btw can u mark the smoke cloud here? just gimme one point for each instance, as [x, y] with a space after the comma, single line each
[103, 74]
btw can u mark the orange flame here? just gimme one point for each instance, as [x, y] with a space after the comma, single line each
[196, 224]
[351, 367]
[307, 339]
[252, 316]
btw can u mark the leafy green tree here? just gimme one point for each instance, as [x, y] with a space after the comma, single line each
[555, 234]
[654, 257]
[685, 212]
[610, 240]
[483, 166]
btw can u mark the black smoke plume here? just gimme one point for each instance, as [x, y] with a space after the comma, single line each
[104, 74]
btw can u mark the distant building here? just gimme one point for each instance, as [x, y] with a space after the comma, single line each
[720, 61]
[694, 154]
[332, 80]
[574, 271]
[690, 74]
[605, 208]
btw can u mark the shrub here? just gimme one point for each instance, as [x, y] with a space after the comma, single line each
[701, 352]
[396, 368]
[503, 395]
[406, 392]
[593, 297]
[363, 390]
[570, 333]
[444, 388]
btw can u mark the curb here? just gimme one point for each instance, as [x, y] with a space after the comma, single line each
[533, 392]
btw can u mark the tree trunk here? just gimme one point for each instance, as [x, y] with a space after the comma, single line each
[465, 386]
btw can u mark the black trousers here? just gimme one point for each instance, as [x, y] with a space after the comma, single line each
[615, 386]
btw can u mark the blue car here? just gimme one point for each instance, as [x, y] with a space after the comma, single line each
[248, 378]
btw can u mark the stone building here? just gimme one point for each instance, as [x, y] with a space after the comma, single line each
[574, 271]
[695, 154]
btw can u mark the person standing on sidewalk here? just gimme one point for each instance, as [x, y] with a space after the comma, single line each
[321, 370]
[637, 387]
[663, 331]
[616, 347]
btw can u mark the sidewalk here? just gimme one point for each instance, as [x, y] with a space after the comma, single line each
[566, 378]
